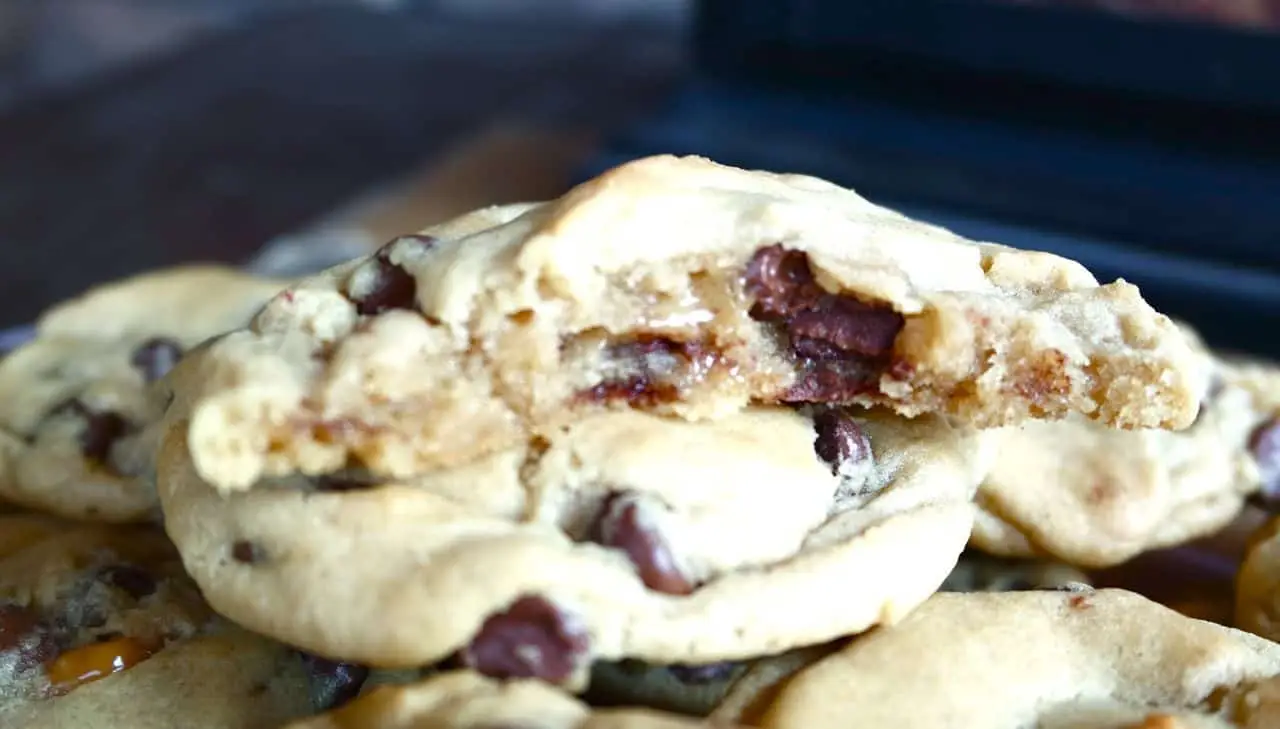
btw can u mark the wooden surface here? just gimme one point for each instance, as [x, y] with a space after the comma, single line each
[212, 152]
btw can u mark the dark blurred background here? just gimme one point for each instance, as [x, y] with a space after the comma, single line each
[1140, 136]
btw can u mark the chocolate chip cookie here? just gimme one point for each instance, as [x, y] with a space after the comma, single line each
[676, 286]
[623, 535]
[75, 402]
[1104, 659]
[465, 700]
[99, 627]
[1095, 496]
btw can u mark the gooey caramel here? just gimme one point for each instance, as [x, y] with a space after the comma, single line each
[89, 663]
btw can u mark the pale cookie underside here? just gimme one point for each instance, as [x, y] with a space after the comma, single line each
[1060, 659]
[759, 535]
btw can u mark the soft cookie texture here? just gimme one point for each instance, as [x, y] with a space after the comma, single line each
[1105, 659]
[678, 286]
[1095, 496]
[463, 700]
[99, 627]
[623, 535]
[76, 401]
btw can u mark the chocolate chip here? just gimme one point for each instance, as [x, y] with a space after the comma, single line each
[155, 357]
[530, 639]
[781, 282]
[101, 429]
[832, 382]
[840, 439]
[622, 525]
[393, 287]
[636, 390]
[705, 673]
[645, 371]
[247, 552]
[849, 326]
[331, 683]
[337, 483]
[841, 345]
[134, 581]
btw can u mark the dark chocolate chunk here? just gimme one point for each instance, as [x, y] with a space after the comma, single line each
[622, 525]
[781, 283]
[101, 429]
[848, 326]
[134, 581]
[530, 639]
[155, 357]
[636, 390]
[841, 345]
[247, 552]
[832, 381]
[705, 673]
[332, 683]
[647, 370]
[393, 287]
[340, 483]
[840, 439]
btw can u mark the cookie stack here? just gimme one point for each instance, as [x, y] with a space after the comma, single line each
[675, 443]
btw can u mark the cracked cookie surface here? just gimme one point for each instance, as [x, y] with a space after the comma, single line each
[76, 401]
[623, 535]
[677, 286]
[1095, 497]
[1104, 659]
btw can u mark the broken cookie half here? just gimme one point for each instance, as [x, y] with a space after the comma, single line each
[680, 287]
